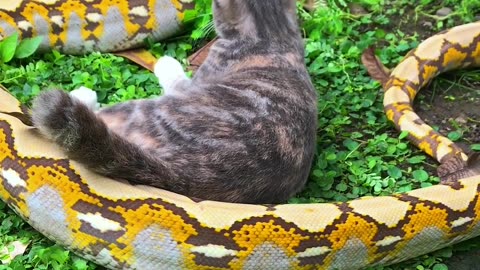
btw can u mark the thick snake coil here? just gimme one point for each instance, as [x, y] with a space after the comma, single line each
[78, 26]
[136, 227]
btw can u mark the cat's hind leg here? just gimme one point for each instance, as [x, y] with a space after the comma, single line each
[170, 74]
[66, 118]
[85, 138]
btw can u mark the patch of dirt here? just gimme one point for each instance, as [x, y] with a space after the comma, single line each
[410, 20]
[449, 106]
[465, 261]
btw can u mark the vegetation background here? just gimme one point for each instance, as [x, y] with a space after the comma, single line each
[358, 153]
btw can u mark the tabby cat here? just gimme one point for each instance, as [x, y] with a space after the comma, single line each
[241, 130]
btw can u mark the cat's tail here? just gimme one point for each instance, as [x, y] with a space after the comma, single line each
[86, 139]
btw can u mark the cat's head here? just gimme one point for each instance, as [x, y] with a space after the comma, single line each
[257, 19]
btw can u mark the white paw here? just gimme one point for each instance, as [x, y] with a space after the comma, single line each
[169, 71]
[87, 96]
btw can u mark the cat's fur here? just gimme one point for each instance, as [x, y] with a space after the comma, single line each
[242, 130]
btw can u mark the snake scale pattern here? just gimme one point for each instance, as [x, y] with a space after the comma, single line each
[79, 26]
[121, 226]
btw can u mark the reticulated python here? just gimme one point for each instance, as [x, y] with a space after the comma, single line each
[78, 26]
[137, 227]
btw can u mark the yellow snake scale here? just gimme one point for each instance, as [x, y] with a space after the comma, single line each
[78, 26]
[137, 227]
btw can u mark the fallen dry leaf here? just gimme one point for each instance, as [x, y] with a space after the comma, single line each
[17, 248]
[199, 56]
[141, 57]
[357, 9]
[311, 5]
[23, 116]
[375, 67]
[145, 59]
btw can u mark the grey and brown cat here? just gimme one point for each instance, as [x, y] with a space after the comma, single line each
[241, 130]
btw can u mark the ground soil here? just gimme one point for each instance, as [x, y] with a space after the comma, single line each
[449, 106]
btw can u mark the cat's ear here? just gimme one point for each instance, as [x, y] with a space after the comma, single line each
[228, 10]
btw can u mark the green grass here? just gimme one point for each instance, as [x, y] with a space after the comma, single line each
[359, 152]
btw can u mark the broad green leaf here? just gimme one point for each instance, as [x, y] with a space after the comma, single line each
[454, 135]
[331, 156]
[420, 175]
[27, 47]
[403, 134]
[402, 146]
[394, 172]
[341, 187]
[416, 159]
[350, 144]
[440, 266]
[8, 47]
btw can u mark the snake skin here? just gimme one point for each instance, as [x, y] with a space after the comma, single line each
[137, 227]
[457, 48]
[80, 26]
